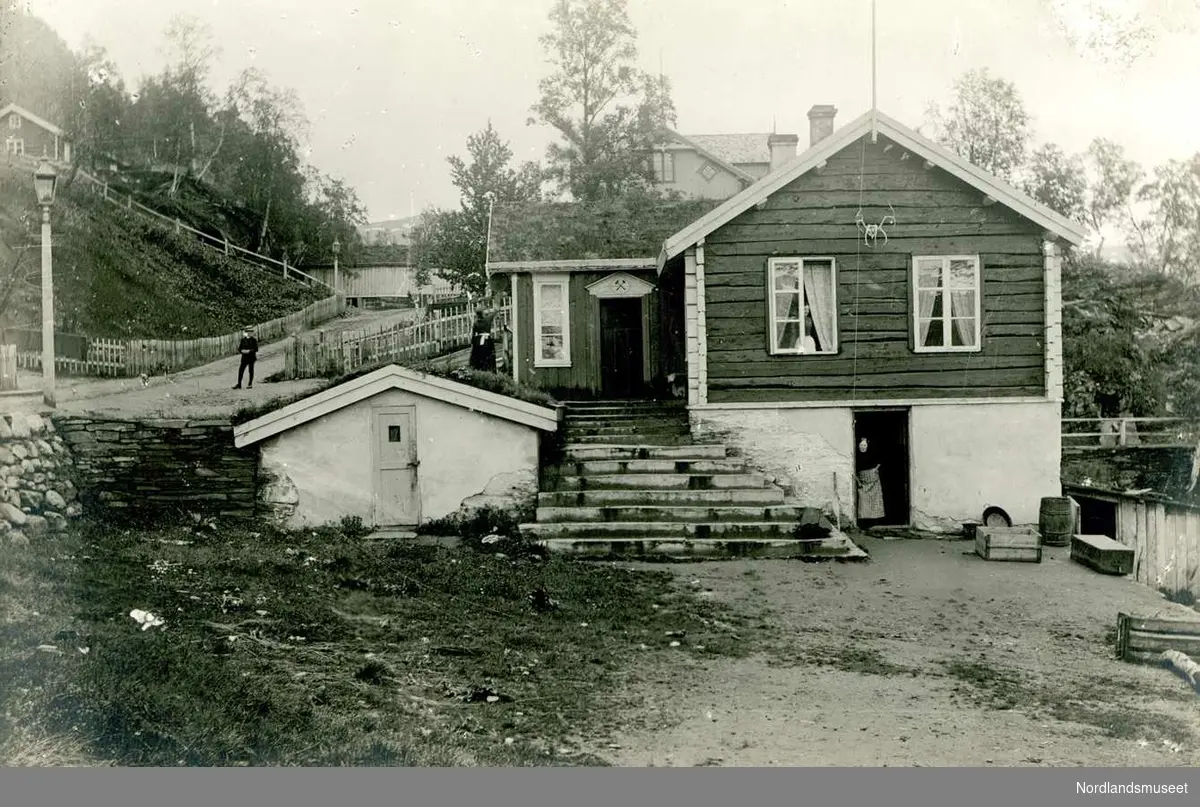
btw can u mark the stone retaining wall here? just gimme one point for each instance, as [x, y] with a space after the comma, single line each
[152, 469]
[37, 489]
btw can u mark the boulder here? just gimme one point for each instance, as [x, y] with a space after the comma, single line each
[6, 456]
[20, 451]
[32, 499]
[5, 429]
[36, 526]
[44, 448]
[13, 514]
[55, 501]
[12, 496]
[20, 427]
[74, 510]
[57, 522]
[17, 538]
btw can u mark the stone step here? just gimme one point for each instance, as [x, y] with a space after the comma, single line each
[624, 403]
[641, 513]
[660, 530]
[625, 435]
[621, 440]
[665, 481]
[698, 498]
[835, 547]
[727, 465]
[623, 416]
[643, 451]
[626, 427]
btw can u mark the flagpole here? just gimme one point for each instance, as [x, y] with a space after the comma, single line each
[874, 135]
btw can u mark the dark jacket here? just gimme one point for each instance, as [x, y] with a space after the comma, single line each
[248, 347]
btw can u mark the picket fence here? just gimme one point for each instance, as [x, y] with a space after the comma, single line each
[8, 367]
[133, 357]
[322, 355]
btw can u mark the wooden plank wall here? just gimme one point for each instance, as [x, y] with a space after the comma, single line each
[815, 216]
[584, 372]
[1166, 544]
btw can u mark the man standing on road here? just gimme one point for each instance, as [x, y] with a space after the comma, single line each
[249, 351]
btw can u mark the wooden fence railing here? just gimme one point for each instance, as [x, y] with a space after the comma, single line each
[132, 357]
[315, 356]
[8, 367]
[1097, 433]
[126, 201]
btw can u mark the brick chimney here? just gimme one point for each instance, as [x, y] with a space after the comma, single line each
[820, 122]
[783, 149]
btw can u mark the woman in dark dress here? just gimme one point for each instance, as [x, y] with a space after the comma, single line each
[483, 347]
[870, 490]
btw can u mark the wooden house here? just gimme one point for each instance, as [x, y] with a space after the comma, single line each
[26, 134]
[878, 288]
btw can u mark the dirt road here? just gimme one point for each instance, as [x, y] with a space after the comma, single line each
[924, 655]
[204, 391]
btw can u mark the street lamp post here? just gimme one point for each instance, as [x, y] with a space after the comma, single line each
[337, 248]
[44, 181]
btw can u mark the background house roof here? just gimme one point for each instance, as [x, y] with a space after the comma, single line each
[32, 118]
[630, 227]
[738, 149]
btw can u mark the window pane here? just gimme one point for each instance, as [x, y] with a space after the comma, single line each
[929, 274]
[787, 306]
[552, 319]
[962, 274]
[552, 346]
[933, 337]
[787, 334]
[962, 332]
[962, 303]
[787, 276]
[552, 296]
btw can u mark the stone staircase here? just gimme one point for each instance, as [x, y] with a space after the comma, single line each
[633, 482]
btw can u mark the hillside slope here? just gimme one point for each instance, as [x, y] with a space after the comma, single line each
[118, 274]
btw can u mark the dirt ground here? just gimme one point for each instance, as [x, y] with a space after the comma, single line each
[923, 656]
[204, 391]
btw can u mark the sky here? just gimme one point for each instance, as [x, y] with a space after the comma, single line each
[392, 87]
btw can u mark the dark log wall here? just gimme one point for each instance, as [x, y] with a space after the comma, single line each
[936, 214]
[583, 375]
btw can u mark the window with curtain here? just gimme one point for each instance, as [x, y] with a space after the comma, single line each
[802, 308]
[552, 345]
[946, 303]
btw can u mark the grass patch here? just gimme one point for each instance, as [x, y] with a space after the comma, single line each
[1001, 688]
[317, 648]
[1125, 724]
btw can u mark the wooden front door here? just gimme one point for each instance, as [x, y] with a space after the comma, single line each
[397, 491]
[621, 359]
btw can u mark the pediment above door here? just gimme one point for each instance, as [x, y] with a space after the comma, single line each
[620, 284]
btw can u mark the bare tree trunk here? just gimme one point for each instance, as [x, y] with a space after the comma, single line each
[175, 178]
[212, 157]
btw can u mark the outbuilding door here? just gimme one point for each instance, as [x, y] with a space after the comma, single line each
[621, 354]
[397, 490]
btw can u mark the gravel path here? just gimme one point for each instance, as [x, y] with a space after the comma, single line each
[200, 392]
[924, 655]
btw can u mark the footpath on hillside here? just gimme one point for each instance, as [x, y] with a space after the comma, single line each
[201, 392]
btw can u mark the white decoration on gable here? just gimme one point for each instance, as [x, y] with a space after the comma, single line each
[620, 284]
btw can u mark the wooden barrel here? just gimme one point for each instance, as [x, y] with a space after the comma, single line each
[1056, 521]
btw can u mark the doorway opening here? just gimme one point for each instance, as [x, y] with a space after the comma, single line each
[882, 466]
[621, 356]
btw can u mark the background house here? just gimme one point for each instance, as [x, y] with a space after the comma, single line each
[25, 134]
[717, 166]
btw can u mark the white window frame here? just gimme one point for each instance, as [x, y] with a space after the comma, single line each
[772, 318]
[539, 283]
[947, 325]
[14, 145]
[14, 121]
[661, 161]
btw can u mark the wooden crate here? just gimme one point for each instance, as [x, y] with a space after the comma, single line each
[1102, 553]
[1008, 543]
[1143, 639]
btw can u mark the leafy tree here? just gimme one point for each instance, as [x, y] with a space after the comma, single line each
[1111, 182]
[986, 123]
[1057, 180]
[454, 243]
[1169, 234]
[608, 113]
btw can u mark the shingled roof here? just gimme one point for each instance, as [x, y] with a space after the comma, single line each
[739, 149]
[634, 227]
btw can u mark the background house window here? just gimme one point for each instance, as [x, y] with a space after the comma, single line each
[14, 145]
[552, 338]
[947, 301]
[14, 121]
[664, 166]
[708, 171]
[803, 305]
